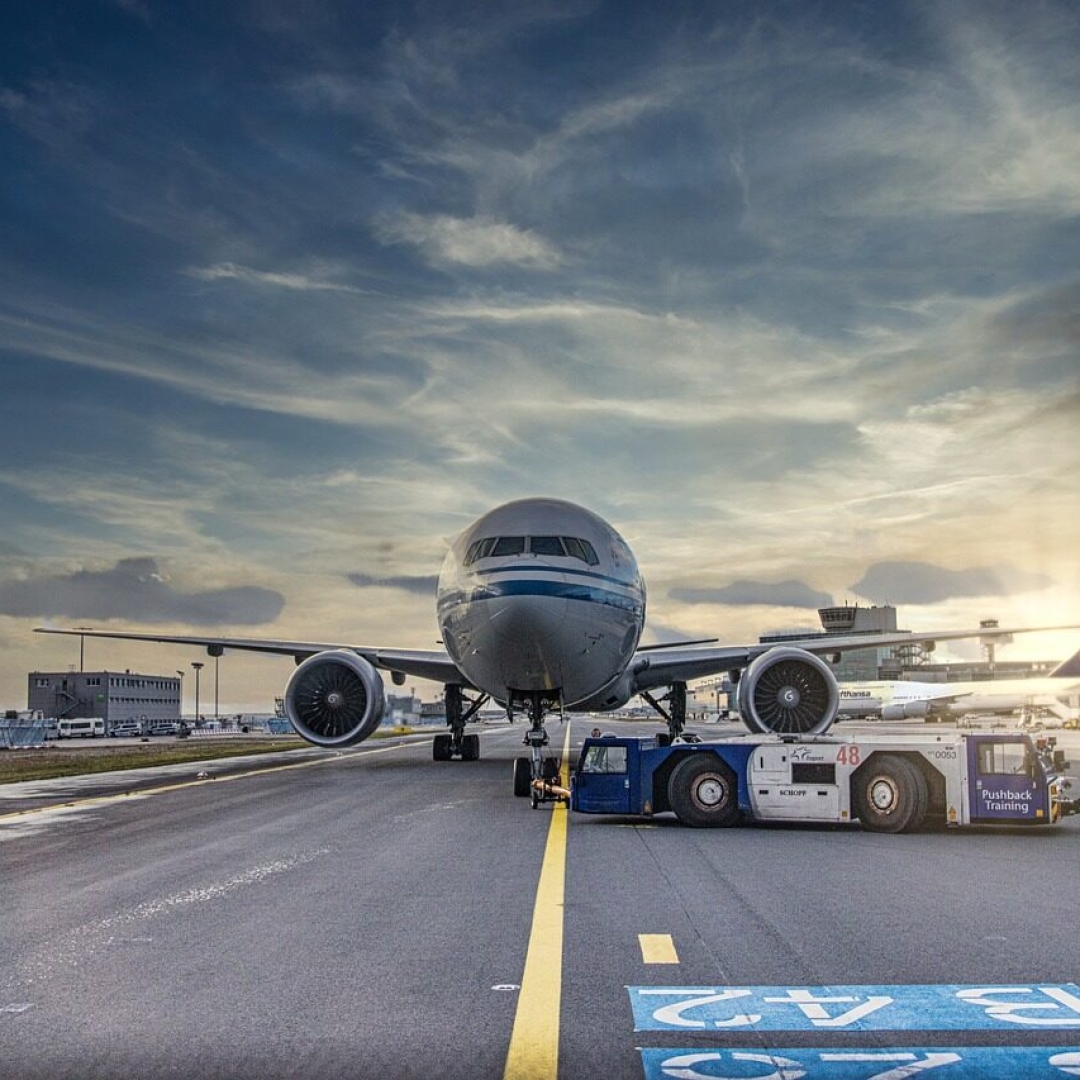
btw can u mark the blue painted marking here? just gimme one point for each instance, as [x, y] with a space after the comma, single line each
[846, 1063]
[1034, 1007]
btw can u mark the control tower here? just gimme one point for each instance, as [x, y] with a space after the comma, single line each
[852, 619]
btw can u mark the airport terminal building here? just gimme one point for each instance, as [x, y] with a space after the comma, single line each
[113, 696]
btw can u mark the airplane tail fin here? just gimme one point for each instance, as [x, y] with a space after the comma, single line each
[1067, 669]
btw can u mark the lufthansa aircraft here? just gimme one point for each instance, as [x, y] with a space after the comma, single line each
[541, 608]
[910, 700]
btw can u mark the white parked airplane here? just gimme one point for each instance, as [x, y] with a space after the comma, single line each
[541, 607]
[909, 700]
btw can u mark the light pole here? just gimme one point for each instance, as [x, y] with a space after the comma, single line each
[82, 645]
[198, 666]
[181, 674]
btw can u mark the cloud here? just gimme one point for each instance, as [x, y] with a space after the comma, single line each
[748, 593]
[476, 242]
[924, 583]
[277, 279]
[136, 589]
[421, 585]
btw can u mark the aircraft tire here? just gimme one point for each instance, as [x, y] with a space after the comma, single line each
[704, 792]
[890, 795]
[470, 748]
[440, 748]
[522, 777]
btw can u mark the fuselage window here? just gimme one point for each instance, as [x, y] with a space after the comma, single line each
[546, 545]
[507, 545]
[473, 552]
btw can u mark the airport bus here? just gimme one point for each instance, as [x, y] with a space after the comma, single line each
[80, 729]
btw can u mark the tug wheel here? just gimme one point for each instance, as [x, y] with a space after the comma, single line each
[890, 795]
[704, 793]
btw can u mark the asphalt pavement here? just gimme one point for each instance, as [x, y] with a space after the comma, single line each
[377, 914]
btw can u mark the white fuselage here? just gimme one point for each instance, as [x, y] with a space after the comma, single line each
[1003, 695]
[543, 597]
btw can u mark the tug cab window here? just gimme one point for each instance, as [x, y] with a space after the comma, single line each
[605, 759]
[1003, 759]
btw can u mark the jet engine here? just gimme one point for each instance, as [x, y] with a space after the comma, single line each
[908, 710]
[335, 698]
[788, 691]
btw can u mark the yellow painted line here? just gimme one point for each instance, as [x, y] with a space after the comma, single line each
[534, 1042]
[657, 949]
[138, 793]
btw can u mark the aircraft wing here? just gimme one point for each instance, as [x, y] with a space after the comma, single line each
[432, 664]
[652, 669]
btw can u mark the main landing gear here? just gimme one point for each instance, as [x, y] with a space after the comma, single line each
[675, 714]
[456, 743]
[537, 775]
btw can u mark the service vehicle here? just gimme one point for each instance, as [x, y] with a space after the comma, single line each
[127, 729]
[886, 782]
[80, 729]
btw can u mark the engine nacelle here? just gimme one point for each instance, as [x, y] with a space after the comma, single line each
[908, 710]
[788, 691]
[335, 698]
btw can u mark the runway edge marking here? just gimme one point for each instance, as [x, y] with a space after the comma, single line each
[534, 1041]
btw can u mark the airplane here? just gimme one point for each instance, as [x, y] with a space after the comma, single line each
[541, 607]
[911, 700]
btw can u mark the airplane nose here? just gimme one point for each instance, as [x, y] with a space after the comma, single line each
[525, 618]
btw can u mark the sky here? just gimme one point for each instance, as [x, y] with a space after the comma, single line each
[292, 292]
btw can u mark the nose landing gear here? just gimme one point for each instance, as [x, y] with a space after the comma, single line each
[538, 774]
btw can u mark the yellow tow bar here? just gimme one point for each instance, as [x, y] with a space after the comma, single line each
[545, 787]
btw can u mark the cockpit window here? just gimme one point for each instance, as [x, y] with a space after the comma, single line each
[479, 549]
[560, 546]
[580, 549]
[546, 545]
[507, 545]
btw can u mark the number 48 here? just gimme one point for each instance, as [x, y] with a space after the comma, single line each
[847, 755]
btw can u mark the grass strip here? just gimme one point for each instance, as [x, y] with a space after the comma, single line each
[51, 762]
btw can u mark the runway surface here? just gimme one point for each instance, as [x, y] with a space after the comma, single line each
[377, 914]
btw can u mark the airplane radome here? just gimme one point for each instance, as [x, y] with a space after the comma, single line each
[541, 608]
